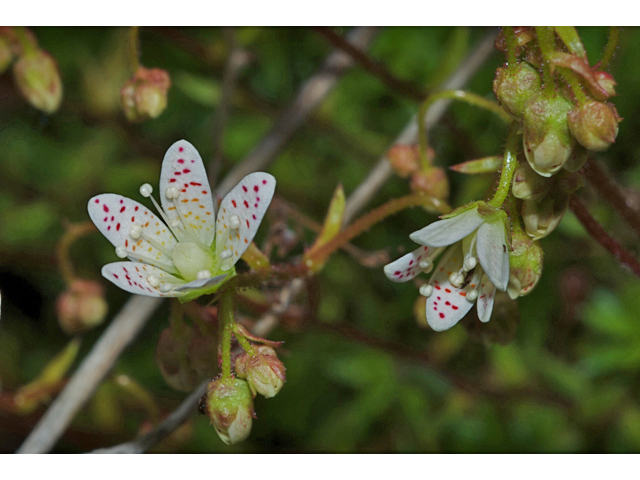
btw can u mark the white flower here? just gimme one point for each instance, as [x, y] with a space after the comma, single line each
[472, 268]
[176, 256]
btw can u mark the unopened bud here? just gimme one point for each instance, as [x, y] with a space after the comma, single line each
[404, 159]
[525, 264]
[541, 218]
[263, 371]
[81, 307]
[36, 75]
[522, 36]
[594, 124]
[528, 185]
[433, 183]
[548, 143]
[514, 86]
[229, 406]
[144, 96]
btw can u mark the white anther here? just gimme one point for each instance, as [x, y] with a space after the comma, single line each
[424, 264]
[175, 223]
[470, 263]
[146, 190]
[225, 254]
[456, 279]
[234, 221]
[153, 280]
[135, 231]
[165, 287]
[202, 274]
[426, 290]
[121, 252]
[472, 295]
[172, 192]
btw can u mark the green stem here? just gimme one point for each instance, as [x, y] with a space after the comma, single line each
[547, 43]
[610, 49]
[134, 48]
[461, 95]
[573, 81]
[509, 165]
[244, 343]
[226, 320]
[514, 215]
[510, 38]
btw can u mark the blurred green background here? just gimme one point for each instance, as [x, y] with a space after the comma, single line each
[556, 371]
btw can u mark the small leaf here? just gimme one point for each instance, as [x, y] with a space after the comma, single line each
[571, 39]
[330, 228]
[480, 165]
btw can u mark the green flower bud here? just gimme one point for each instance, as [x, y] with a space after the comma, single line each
[6, 55]
[606, 82]
[81, 307]
[38, 79]
[144, 96]
[229, 406]
[594, 125]
[263, 371]
[525, 264]
[514, 86]
[548, 143]
[528, 185]
[433, 183]
[541, 218]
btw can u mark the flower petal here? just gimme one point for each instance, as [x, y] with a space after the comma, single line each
[246, 204]
[182, 168]
[200, 284]
[485, 301]
[133, 277]
[448, 231]
[448, 304]
[114, 215]
[493, 253]
[407, 266]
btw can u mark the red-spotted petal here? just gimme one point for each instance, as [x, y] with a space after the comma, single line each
[200, 284]
[406, 267]
[240, 214]
[448, 231]
[182, 168]
[485, 301]
[133, 277]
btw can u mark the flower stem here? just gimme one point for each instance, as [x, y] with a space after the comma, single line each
[509, 165]
[73, 232]
[134, 48]
[514, 215]
[468, 97]
[573, 81]
[510, 38]
[244, 343]
[610, 49]
[546, 41]
[226, 320]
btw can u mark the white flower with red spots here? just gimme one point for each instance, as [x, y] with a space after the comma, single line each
[188, 252]
[471, 269]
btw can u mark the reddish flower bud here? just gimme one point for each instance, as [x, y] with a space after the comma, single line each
[405, 159]
[229, 405]
[606, 82]
[433, 183]
[514, 86]
[38, 79]
[81, 307]
[144, 96]
[548, 143]
[263, 371]
[594, 125]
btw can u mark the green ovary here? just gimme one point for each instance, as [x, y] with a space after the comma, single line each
[189, 259]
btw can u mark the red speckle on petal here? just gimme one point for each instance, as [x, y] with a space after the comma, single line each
[398, 272]
[136, 209]
[441, 315]
[171, 180]
[438, 288]
[118, 227]
[264, 182]
[411, 263]
[256, 205]
[256, 188]
[106, 218]
[244, 188]
[105, 208]
[254, 217]
[204, 192]
[112, 218]
[177, 173]
[180, 149]
[109, 228]
[454, 307]
[196, 184]
[248, 224]
[115, 275]
[246, 204]
[97, 201]
[186, 170]
[123, 209]
[447, 302]
[234, 203]
[133, 219]
[181, 160]
[447, 290]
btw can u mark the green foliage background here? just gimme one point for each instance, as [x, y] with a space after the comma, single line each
[560, 375]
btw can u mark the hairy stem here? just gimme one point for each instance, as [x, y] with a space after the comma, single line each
[461, 95]
[509, 165]
[574, 83]
[510, 38]
[226, 320]
[610, 48]
[546, 41]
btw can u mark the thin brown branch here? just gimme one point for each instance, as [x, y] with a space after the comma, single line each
[362, 195]
[608, 189]
[123, 329]
[602, 237]
[309, 97]
[409, 89]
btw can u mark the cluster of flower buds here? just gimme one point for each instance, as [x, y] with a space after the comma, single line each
[144, 95]
[229, 399]
[35, 71]
[431, 181]
[81, 307]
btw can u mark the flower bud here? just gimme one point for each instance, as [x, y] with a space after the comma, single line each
[81, 307]
[525, 264]
[522, 36]
[405, 159]
[528, 185]
[433, 183]
[144, 96]
[263, 371]
[6, 55]
[229, 406]
[594, 124]
[514, 86]
[548, 143]
[541, 218]
[606, 82]
[38, 79]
